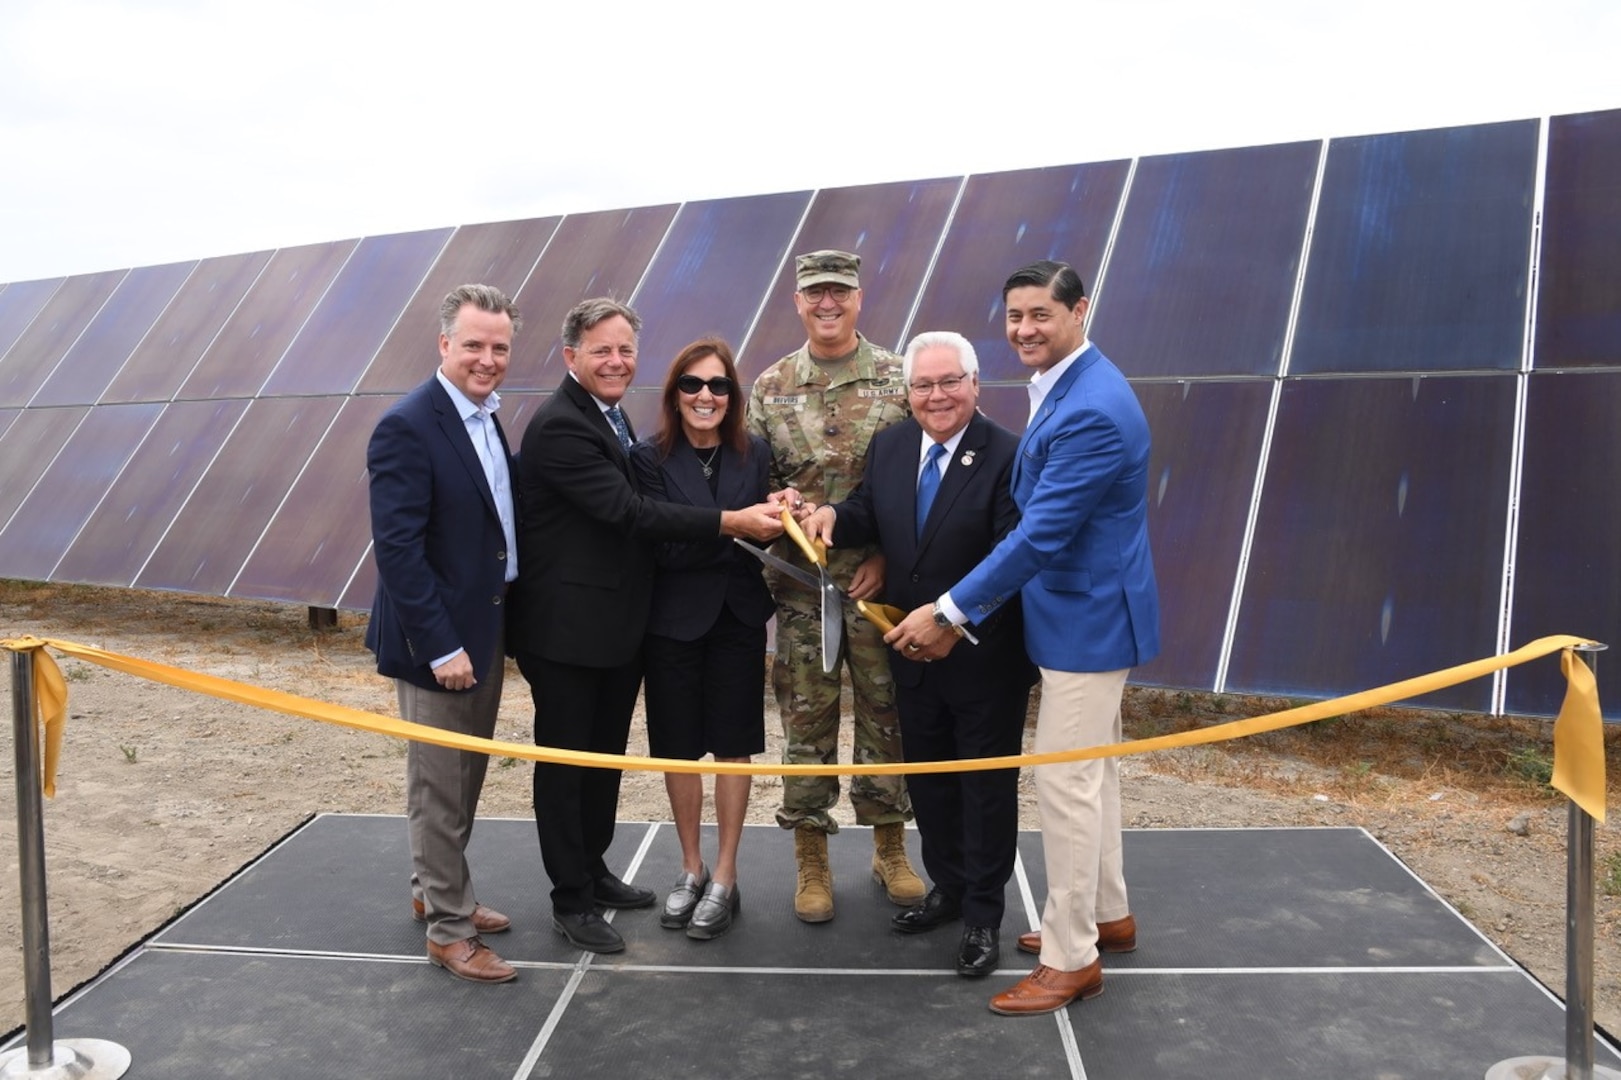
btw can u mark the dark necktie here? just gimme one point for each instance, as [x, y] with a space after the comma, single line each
[622, 429]
[928, 484]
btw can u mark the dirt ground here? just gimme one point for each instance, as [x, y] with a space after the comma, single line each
[163, 794]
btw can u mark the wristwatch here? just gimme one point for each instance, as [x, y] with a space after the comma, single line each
[943, 621]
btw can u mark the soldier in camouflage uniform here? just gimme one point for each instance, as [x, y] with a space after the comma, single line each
[818, 408]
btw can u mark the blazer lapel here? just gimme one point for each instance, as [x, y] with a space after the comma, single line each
[960, 470]
[455, 432]
[684, 468]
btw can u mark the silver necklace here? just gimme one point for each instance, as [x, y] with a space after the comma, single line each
[709, 462]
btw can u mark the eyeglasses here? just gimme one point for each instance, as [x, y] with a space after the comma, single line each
[813, 293]
[720, 385]
[950, 386]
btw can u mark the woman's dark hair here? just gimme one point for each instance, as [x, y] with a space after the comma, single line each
[731, 425]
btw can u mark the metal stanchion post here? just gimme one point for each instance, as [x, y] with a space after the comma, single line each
[43, 1058]
[1577, 1064]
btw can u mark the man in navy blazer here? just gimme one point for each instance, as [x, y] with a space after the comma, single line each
[935, 497]
[586, 540]
[444, 538]
[1079, 559]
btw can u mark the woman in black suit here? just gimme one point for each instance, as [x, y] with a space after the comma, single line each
[705, 647]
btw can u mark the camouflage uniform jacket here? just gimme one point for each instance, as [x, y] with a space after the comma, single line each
[818, 428]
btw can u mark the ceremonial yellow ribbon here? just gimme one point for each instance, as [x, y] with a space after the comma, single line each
[1578, 769]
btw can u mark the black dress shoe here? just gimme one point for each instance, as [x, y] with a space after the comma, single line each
[936, 910]
[611, 892]
[589, 931]
[979, 952]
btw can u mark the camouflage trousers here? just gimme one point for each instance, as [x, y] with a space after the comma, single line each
[809, 702]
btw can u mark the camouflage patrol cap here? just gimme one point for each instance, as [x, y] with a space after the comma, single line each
[827, 268]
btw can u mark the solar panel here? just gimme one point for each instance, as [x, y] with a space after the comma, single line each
[38, 349]
[27, 449]
[895, 228]
[708, 276]
[1007, 220]
[171, 348]
[1203, 268]
[112, 335]
[247, 348]
[1378, 549]
[1420, 252]
[601, 254]
[501, 254]
[136, 511]
[355, 314]
[20, 303]
[1578, 303]
[69, 490]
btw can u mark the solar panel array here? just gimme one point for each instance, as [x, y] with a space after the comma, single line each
[1382, 373]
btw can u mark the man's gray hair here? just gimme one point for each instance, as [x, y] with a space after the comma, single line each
[485, 298]
[934, 339]
[588, 313]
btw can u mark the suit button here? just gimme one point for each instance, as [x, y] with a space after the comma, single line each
[915, 579]
[496, 599]
[501, 555]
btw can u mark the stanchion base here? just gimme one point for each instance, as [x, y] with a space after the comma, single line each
[1539, 1067]
[71, 1059]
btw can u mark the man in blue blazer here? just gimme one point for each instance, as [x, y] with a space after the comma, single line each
[935, 497]
[443, 535]
[1079, 559]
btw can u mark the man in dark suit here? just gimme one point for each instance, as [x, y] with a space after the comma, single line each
[934, 495]
[586, 535]
[443, 535]
[1079, 560]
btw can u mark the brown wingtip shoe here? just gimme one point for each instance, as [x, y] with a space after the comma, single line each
[1116, 935]
[472, 960]
[1047, 990]
[485, 920]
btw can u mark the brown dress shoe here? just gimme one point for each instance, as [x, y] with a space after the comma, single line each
[1116, 935]
[485, 920]
[1047, 990]
[472, 960]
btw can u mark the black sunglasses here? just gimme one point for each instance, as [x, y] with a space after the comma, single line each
[720, 385]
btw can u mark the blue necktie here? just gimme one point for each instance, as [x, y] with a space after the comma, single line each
[928, 484]
[622, 429]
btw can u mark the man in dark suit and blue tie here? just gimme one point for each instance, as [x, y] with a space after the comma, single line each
[443, 535]
[586, 538]
[934, 496]
[1079, 560]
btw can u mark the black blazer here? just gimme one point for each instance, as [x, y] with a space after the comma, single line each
[696, 579]
[973, 509]
[436, 536]
[586, 536]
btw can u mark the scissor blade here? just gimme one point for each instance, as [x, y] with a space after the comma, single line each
[788, 569]
[832, 623]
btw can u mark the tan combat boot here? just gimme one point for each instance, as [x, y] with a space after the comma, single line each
[890, 867]
[813, 894]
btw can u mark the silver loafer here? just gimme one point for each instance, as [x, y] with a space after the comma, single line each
[683, 898]
[714, 914]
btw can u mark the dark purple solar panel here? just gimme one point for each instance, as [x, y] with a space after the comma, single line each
[36, 352]
[600, 254]
[253, 339]
[1008, 220]
[1378, 552]
[895, 228]
[20, 302]
[215, 533]
[309, 551]
[1204, 266]
[1207, 447]
[1419, 253]
[27, 449]
[500, 254]
[356, 314]
[69, 491]
[136, 511]
[1568, 559]
[169, 351]
[112, 335]
[1007, 405]
[710, 274]
[362, 588]
[1578, 300]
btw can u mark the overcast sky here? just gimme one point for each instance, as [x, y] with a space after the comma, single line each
[138, 132]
